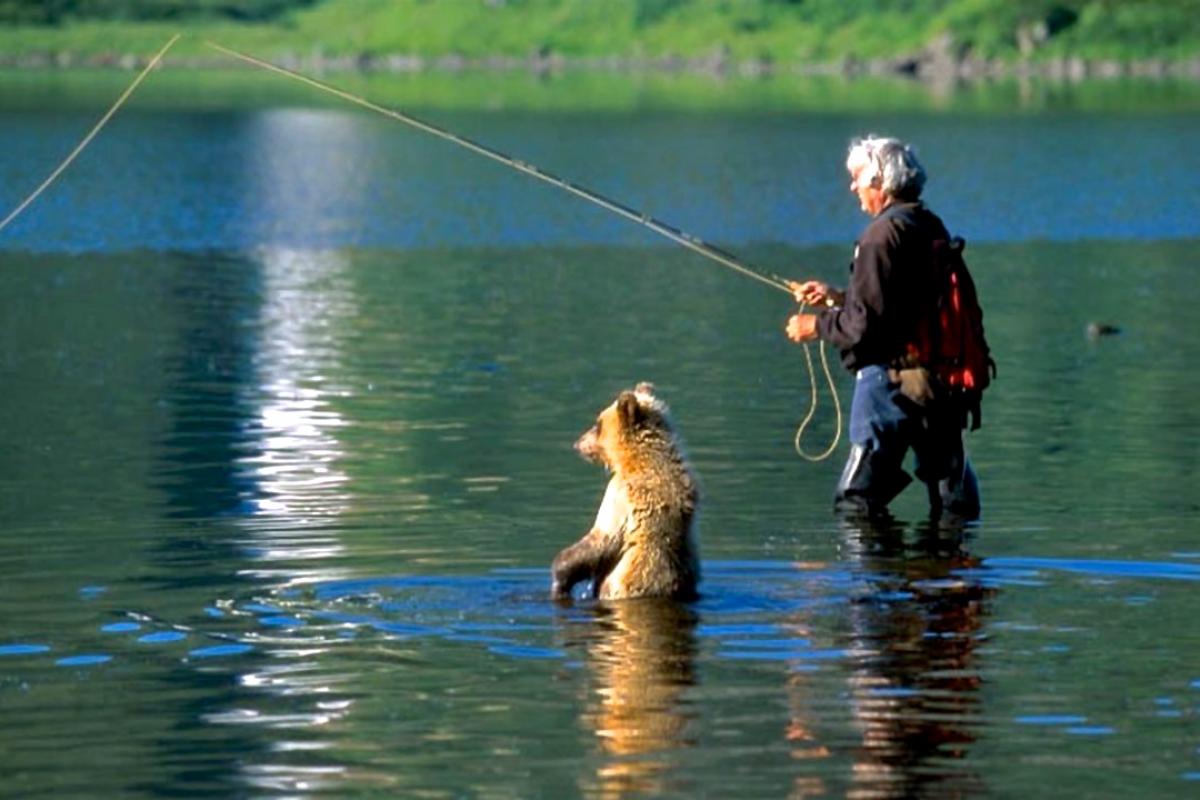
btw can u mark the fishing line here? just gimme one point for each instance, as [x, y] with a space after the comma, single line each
[90, 135]
[812, 405]
[669, 231]
[641, 218]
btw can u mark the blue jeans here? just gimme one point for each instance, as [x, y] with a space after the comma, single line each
[884, 425]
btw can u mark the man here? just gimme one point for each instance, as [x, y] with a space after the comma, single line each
[872, 322]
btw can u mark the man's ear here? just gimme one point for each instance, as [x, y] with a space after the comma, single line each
[629, 411]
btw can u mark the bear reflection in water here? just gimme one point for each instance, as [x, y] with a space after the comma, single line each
[640, 655]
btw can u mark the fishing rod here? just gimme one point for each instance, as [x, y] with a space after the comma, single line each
[641, 218]
[677, 235]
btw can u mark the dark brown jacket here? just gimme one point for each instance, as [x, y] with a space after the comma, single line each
[890, 287]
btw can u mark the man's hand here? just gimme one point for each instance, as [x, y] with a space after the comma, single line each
[802, 328]
[815, 293]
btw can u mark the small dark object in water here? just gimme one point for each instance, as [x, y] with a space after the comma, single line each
[1097, 329]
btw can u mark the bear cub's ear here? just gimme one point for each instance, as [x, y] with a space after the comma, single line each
[629, 411]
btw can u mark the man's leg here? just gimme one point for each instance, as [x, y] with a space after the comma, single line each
[873, 476]
[944, 468]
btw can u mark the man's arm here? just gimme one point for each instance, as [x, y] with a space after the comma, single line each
[845, 327]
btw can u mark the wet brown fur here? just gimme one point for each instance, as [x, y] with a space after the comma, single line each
[642, 543]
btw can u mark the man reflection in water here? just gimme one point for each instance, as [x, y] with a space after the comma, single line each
[914, 683]
[640, 654]
[872, 322]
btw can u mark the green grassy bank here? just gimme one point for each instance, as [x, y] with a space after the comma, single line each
[774, 34]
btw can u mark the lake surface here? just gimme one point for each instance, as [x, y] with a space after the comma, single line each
[289, 399]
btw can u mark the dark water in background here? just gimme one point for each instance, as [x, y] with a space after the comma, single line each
[288, 404]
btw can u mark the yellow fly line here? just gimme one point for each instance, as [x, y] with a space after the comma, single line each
[90, 135]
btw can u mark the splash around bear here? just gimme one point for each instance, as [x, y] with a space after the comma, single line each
[642, 543]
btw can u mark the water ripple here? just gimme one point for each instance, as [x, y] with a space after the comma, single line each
[1021, 570]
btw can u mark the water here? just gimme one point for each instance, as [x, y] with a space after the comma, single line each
[289, 399]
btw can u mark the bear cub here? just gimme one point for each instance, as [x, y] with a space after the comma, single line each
[642, 543]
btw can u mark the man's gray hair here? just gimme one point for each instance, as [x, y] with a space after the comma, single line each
[890, 164]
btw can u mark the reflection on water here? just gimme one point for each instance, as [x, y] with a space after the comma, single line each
[295, 492]
[640, 655]
[292, 488]
[296, 487]
[915, 690]
[857, 679]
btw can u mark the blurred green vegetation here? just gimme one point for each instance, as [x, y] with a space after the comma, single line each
[775, 31]
[58, 12]
[604, 92]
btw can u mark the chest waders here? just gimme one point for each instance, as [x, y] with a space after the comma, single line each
[884, 425]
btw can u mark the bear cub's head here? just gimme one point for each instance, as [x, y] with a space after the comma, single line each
[633, 423]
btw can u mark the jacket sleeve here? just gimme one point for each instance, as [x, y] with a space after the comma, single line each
[846, 327]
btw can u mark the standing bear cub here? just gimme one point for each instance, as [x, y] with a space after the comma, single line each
[642, 543]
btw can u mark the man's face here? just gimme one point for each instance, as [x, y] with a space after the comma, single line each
[870, 196]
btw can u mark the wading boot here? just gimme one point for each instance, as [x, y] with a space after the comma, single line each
[868, 483]
[956, 498]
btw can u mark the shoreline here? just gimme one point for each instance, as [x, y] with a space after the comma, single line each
[933, 68]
